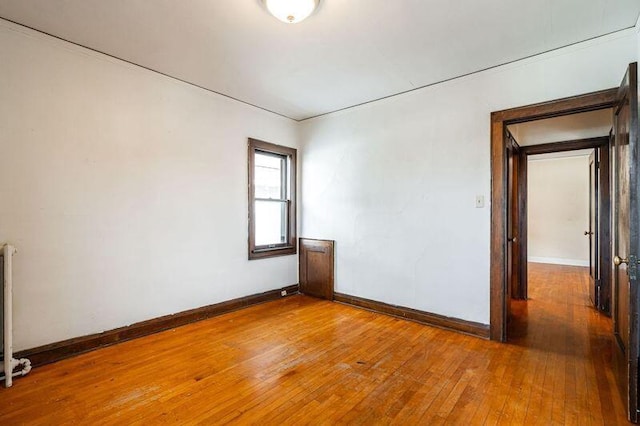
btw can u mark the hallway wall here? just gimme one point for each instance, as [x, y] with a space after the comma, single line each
[558, 210]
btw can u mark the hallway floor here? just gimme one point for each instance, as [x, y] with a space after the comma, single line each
[569, 347]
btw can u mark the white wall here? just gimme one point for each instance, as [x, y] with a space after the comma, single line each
[638, 36]
[124, 191]
[558, 210]
[394, 181]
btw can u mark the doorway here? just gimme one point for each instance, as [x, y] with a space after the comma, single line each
[558, 229]
[578, 236]
[506, 249]
[505, 224]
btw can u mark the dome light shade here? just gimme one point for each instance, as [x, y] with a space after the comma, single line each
[291, 11]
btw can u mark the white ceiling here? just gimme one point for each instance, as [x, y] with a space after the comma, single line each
[347, 53]
[561, 129]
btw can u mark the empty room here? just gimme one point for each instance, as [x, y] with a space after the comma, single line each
[319, 212]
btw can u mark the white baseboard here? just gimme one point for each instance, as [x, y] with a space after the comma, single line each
[559, 261]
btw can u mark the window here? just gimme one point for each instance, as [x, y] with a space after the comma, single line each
[272, 200]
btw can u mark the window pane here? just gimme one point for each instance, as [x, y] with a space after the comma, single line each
[271, 223]
[269, 176]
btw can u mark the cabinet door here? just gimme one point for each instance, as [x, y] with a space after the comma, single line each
[316, 268]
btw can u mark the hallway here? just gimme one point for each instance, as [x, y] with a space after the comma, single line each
[570, 347]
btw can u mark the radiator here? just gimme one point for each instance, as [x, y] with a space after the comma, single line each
[11, 367]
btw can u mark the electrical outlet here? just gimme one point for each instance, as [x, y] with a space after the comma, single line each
[479, 201]
[283, 293]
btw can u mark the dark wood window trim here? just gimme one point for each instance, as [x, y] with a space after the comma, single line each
[290, 246]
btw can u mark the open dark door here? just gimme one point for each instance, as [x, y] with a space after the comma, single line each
[521, 195]
[513, 255]
[604, 226]
[592, 232]
[626, 239]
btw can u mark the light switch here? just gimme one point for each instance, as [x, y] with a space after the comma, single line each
[479, 201]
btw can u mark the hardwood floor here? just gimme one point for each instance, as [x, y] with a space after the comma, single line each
[570, 346]
[300, 360]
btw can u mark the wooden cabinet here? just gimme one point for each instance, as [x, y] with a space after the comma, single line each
[316, 268]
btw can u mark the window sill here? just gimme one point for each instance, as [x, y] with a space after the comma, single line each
[262, 253]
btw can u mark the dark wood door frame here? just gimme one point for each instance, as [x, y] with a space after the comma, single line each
[565, 146]
[601, 144]
[498, 246]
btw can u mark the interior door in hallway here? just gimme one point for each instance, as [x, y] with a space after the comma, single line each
[592, 232]
[626, 239]
[513, 254]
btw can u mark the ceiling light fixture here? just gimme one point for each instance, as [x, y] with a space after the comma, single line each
[291, 11]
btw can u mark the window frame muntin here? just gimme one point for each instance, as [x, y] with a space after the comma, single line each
[290, 246]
